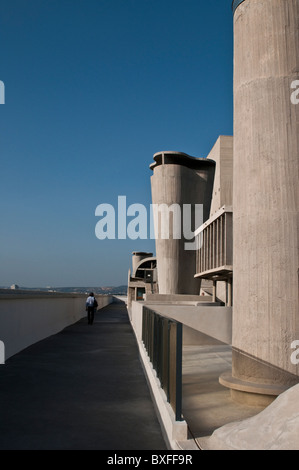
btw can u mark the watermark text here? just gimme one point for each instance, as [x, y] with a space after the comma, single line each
[295, 354]
[2, 353]
[295, 94]
[2, 92]
[162, 221]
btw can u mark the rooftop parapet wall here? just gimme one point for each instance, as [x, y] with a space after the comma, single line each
[28, 317]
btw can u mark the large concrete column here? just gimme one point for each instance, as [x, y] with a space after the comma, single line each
[179, 179]
[266, 197]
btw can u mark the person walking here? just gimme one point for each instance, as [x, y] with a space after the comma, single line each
[91, 306]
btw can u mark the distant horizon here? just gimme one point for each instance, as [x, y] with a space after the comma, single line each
[64, 287]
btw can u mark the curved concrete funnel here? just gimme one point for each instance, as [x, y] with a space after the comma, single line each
[137, 257]
[179, 179]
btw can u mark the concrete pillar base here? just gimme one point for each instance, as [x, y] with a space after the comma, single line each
[251, 393]
[251, 399]
[255, 382]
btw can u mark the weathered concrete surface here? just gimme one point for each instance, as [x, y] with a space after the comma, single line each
[212, 321]
[83, 388]
[266, 190]
[179, 179]
[222, 154]
[274, 428]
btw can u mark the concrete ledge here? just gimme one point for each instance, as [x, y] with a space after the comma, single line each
[210, 320]
[207, 303]
[177, 298]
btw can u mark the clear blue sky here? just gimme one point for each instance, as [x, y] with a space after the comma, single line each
[93, 89]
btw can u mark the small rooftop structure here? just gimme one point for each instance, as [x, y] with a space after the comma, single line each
[15, 287]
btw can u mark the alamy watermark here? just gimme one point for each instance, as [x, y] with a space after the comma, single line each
[295, 354]
[2, 92]
[162, 221]
[2, 353]
[295, 94]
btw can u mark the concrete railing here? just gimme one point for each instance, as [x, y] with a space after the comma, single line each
[174, 431]
[203, 324]
[214, 239]
[27, 317]
[162, 338]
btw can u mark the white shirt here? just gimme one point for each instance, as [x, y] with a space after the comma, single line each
[90, 301]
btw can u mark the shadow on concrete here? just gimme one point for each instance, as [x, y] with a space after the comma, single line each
[83, 388]
[207, 405]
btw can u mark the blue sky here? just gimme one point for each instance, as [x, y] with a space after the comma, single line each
[93, 89]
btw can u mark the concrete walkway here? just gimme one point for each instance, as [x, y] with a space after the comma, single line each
[83, 388]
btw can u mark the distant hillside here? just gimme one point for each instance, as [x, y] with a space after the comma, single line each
[119, 290]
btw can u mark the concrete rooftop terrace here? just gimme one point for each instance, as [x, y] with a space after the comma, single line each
[83, 388]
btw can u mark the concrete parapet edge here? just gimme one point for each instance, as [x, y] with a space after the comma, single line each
[25, 320]
[211, 320]
[173, 431]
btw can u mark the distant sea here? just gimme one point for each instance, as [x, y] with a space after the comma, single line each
[118, 290]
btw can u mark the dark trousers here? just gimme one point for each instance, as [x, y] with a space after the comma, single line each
[90, 315]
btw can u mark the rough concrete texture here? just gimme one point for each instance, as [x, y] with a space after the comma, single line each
[179, 179]
[274, 428]
[222, 154]
[266, 190]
